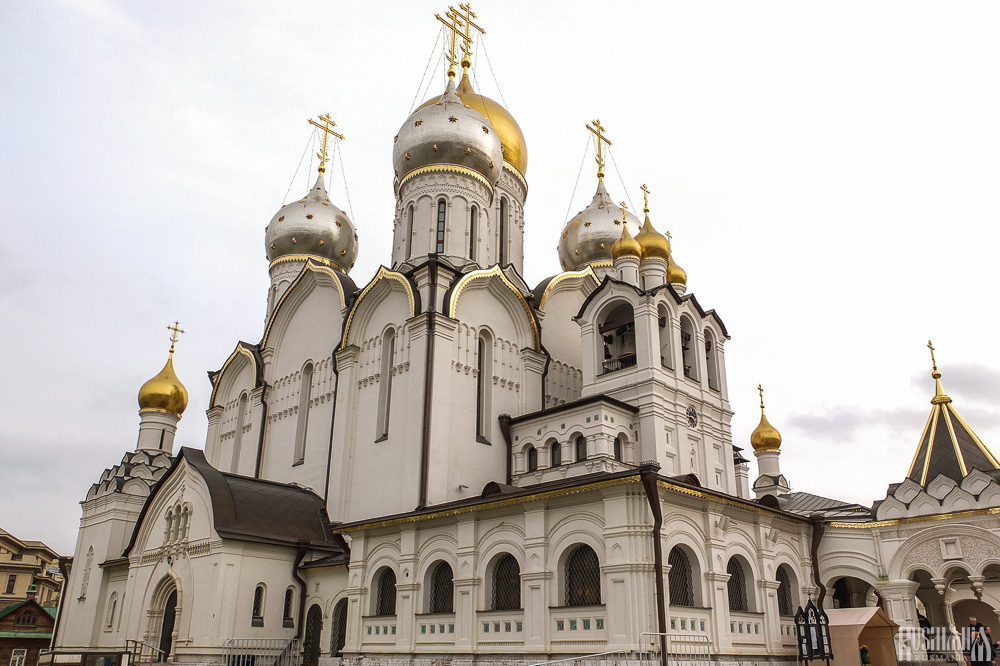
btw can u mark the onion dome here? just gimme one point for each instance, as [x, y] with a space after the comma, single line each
[654, 244]
[164, 392]
[515, 149]
[448, 134]
[625, 246]
[312, 227]
[675, 274]
[765, 436]
[588, 236]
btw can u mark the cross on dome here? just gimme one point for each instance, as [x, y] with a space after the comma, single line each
[645, 198]
[327, 129]
[598, 130]
[175, 331]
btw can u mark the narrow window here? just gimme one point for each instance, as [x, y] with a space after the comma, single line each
[502, 247]
[305, 396]
[12, 580]
[532, 459]
[113, 606]
[439, 248]
[257, 612]
[506, 584]
[581, 448]
[666, 355]
[385, 596]
[472, 233]
[241, 410]
[385, 382]
[618, 449]
[409, 231]
[583, 577]
[286, 613]
[711, 361]
[338, 634]
[688, 357]
[785, 604]
[442, 589]
[485, 375]
[737, 586]
[679, 578]
[555, 454]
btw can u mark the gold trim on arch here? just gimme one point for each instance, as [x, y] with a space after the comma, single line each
[433, 168]
[488, 273]
[309, 266]
[308, 257]
[520, 176]
[240, 349]
[382, 274]
[567, 275]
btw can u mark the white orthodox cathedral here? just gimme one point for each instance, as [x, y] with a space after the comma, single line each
[444, 462]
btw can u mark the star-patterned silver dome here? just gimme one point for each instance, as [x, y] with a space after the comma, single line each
[588, 236]
[448, 134]
[312, 227]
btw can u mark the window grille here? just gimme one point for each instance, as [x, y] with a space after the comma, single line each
[532, 459]
[385, 598]
[556, 454]
[737, 586]
[679, 579]
[286, 613]
[583, 577]
[26, 619]
[785, 606]
[618, 449]
[442, 589]
[257, 614]
[338, 634]
[507, 584]
[439, 248]
[12, 579]
[581, 448]
[310, 642]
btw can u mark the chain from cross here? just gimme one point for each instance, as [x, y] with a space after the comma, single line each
[470, 25]
[645, 198]
[175, 330]
[457, 33]
[760, 389]
[327, 129]
[599, 132]
[933, 362]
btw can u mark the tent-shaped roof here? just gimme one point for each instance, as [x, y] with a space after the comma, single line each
[871, 616]
[948, 445]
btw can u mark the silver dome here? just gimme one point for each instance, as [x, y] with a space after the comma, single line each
[448, 133]
[312, 226]
[588, 236]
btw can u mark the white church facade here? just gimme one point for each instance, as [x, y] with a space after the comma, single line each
[447, 463]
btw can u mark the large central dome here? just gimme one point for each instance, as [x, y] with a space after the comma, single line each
[515, 150]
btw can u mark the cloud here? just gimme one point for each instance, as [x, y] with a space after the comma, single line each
[971, 382]
[845, 423]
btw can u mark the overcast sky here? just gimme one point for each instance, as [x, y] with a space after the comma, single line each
[828, 171]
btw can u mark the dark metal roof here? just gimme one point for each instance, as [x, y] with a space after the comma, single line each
[948, 446]
[614, 402]
[807, 504]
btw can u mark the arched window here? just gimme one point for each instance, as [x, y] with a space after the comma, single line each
[442, 589]
[666, 354]
[385, 594]
[711, 361]
[786, 604]
[679, 578]
[532, 455]
[688, 357]
[473, 217]
[409, 231]
[241, 411]
[739, 599]
[305, 397]
[617, 331]
[619, 454]
[583, 577]
[257, 612]
[112, 607]
[555, 454]
[581, 448]
[338, 634]
[287, 619]
[385, 383]
[502, 246]
[506, 584]
[439, 247]
[484, 385]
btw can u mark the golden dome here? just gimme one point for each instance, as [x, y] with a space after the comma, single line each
[765, 436]
[625, 246]
[164, 392]
[515, 150]
[654, 244]
[675, 274]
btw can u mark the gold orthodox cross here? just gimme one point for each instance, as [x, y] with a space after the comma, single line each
[456, 33]
[599, 132]
[624, 219]
[933, 362]
[760, 390]
[175, 330]
[327, 128]
[466, 19]
[645, 198]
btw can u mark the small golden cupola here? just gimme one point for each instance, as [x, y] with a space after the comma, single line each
[165, 392]
[625, 246]
[675, 274]
[654, 244]
[765, 436]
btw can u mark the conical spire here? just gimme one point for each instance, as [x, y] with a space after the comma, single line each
[948, 445]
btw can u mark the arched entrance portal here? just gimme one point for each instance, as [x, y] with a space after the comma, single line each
[310, 641]
[851, 592]
[338, 634]
[167, 627]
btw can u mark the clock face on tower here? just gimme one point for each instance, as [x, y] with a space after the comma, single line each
[692, 416]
